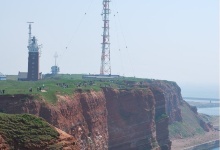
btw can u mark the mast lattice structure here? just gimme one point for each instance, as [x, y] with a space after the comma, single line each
[105, 57]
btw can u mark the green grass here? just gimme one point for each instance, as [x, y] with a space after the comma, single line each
[13, 87]
[161, 117]
[51, 90]
[26, 130]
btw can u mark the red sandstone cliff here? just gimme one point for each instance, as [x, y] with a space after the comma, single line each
[131, 119]
[82, 115]
[174, 103]
[109, 119]
[173, 98]
[134, 118]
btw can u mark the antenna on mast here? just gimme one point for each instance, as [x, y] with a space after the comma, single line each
[29, 39]
[55, 56]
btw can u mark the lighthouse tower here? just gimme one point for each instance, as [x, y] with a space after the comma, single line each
[33, 57]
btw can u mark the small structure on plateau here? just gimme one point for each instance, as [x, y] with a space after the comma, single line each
[55, 69]
[2, 77]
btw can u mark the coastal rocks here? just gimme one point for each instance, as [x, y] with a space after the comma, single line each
[194, 109]
[204, 124]
[161, 119]
[173, 98]
[108, 119]
[134, 118]
[66, 141]
[82, 115]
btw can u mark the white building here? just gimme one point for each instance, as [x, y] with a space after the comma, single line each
[2, 77]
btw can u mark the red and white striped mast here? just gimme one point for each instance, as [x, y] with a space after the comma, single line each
[105, 58]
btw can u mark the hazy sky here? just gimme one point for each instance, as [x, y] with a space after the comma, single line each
[166, 39]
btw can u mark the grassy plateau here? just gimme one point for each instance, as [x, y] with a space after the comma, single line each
[64, 84]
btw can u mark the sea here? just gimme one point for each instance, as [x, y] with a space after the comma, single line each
[212, 111]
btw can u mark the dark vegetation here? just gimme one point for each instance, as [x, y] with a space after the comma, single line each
[161, 117]
[25, 131]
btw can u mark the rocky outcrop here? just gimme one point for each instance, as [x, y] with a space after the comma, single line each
[82, 115]
[3, 144]
[66, 141]
[205, 125]
[162, 120]
[173, 98]
[109, 119]
[174, 103]
[132, 118]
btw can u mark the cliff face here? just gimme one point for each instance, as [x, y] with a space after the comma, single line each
[173, 99]
[184, 120]
[162, 119]
[110, 119]
[131, 123]
[114, 119]
[83, 115]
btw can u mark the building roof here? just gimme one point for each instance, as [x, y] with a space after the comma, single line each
[98, 76]
[22, 75]
[2, 75]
